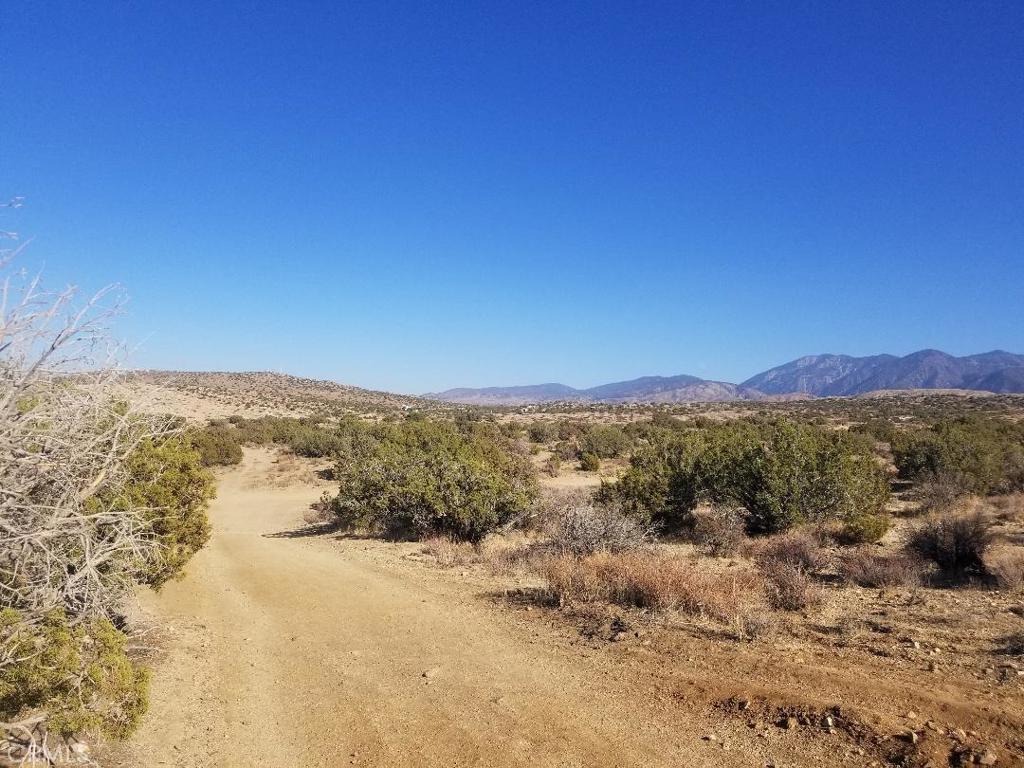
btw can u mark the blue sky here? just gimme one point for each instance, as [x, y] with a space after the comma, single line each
[414, 196]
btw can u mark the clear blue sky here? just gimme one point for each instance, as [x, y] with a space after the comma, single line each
[413, 196]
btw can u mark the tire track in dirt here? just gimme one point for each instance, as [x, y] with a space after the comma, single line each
[291, 651]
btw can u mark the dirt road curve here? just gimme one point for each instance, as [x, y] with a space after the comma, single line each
[308, 651]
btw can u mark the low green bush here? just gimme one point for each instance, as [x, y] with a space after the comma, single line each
[217, 445]
[978, 455]
[606, 441]
[590, 462]
[426, 478]
[166, 480]
[79, 674]
[780, 472]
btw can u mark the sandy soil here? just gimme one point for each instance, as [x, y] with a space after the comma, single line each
[286, 649]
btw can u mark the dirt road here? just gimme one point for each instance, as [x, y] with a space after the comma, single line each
[309, 651]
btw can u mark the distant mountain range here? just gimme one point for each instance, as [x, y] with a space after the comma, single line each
[812, 376]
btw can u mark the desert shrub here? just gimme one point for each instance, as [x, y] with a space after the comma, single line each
[566, 450]
[166, 480]
[577, 526]
[79, 673]
[939, 492]
[866, 567]
[310, 437]
[590, 462]
[718, 531]
[662, 485]
[788, 586]
[571, 431]
[1006, 567]
[606, 441]
[553, 465]
[956, 543]
[779, 472]
[982, 455]
[416, 479]
[784, 473]
[542, 431]
[653, 581]
[797, 548]
[218, 446]
[864, 528]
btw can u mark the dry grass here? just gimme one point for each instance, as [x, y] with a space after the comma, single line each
[448, 553]
[867, 568]
[798, 548]
[1009, 508]
[1006, 566]
[789, 587]
[718, 531]
[654, 581]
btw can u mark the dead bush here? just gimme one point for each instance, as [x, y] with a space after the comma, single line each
[719, 531]
[653, 581]
[799, 548]
[578, 527]
[956, 543]
[1006, 566]
[788, 586]
[940, 491]
[449, 553]
[867, 568]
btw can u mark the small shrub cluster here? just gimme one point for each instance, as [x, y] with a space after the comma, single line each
[78, 672]
[218, 446]
[590, 462]
[798, 548]
[553, 465]
[789, 587]
[787, 562]
[221, 443]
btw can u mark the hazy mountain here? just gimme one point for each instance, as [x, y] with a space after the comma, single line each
[831, 375]
[533, 393]
[814, 375]
[647, 389]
